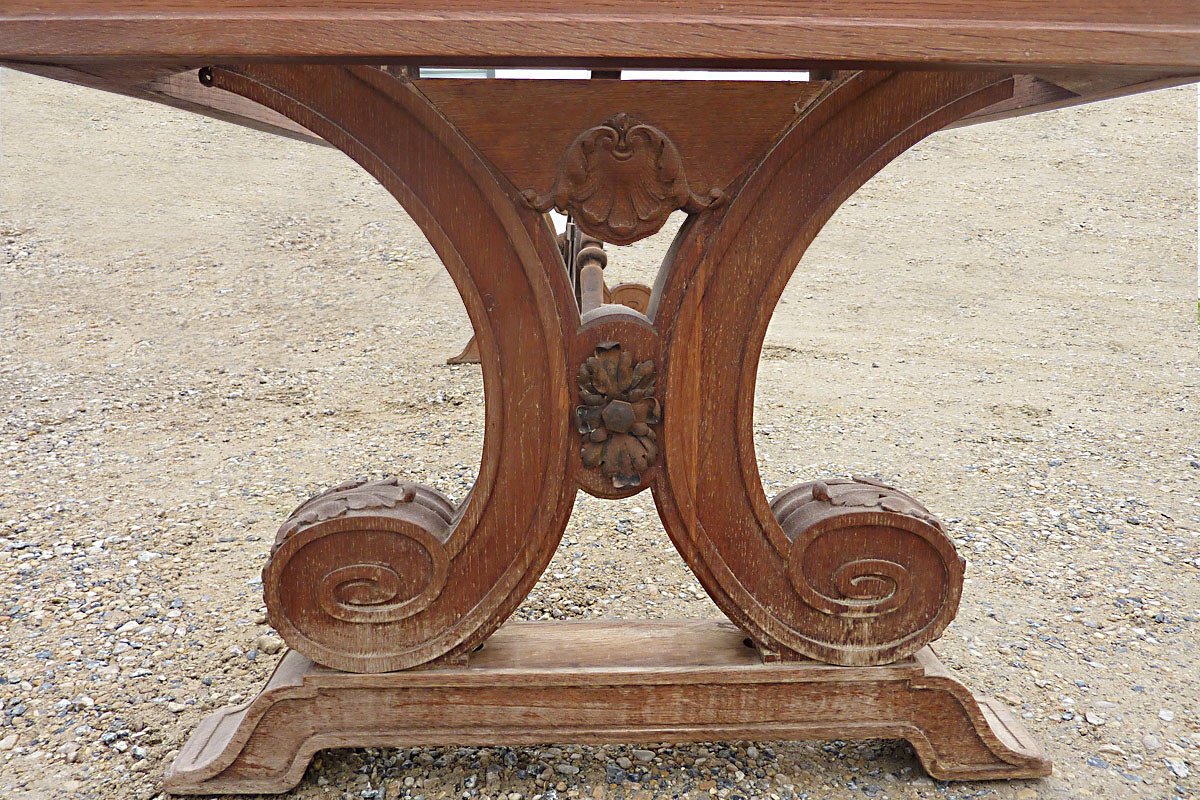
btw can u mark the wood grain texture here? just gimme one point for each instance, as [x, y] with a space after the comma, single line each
[171, 84]
[711, 306]
[1053, 90]
[620, 180]
[631, 295]
[353, 566]
[877, 570]
[615, 33]
[175, 85]
[701, 338]
[602, 682]
[506, 265]
[719, 128]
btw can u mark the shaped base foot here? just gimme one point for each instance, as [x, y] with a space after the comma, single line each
[602, 682]
[469, 354]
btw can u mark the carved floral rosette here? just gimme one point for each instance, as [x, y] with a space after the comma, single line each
[875, 570]
[351, 565]
[617, 415]
[621, 180]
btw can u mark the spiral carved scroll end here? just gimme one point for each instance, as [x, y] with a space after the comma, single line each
[875, 573]
[352, 567]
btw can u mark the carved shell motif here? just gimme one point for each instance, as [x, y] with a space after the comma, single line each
[618, 414]
[620, 181]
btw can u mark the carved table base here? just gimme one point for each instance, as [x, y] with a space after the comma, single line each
[837, 586]
[602, 682]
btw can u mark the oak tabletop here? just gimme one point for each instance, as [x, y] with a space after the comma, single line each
[1016, 34]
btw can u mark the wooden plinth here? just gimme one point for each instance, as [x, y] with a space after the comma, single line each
[602, 682]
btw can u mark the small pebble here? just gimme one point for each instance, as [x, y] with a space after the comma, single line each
[69, 752]
[268, 644]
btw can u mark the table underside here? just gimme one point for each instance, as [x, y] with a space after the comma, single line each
[1061, 54]
[856, 33]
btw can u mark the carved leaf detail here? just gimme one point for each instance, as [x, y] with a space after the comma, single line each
[618, 415]
[359, 495]
[867, 492]
[620, 181]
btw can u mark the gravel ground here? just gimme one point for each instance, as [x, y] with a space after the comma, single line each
[201, 325]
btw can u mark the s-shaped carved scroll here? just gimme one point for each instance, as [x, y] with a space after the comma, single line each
[620, 181]
[386, 576]
[855, 573]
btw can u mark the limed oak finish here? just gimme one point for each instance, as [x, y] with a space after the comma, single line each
[1061, 53]
[392, 597]
[596, 683]
[378, 578]
[1158, 33]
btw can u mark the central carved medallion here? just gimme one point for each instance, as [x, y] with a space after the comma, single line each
[618, 414]
[620, 181]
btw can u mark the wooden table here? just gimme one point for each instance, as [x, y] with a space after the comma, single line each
[391, 597]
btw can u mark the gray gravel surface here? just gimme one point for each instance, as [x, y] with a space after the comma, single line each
[201, 325]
